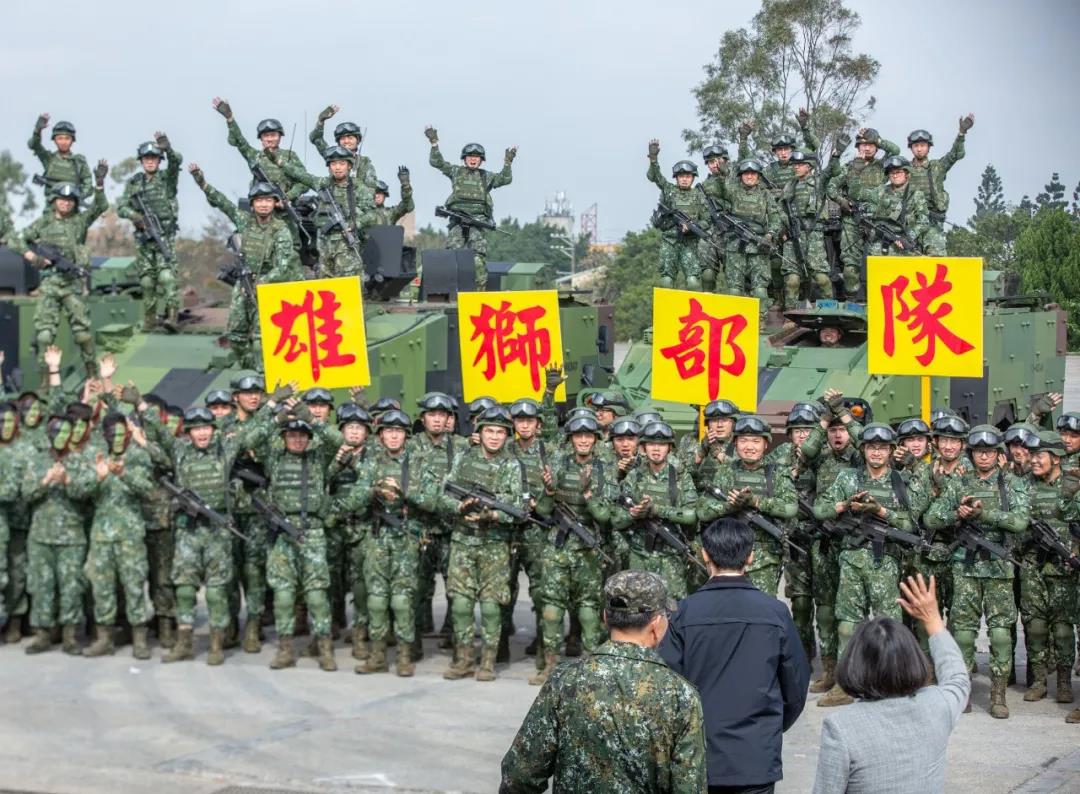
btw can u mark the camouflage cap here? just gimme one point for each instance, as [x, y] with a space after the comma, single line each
[637, 593]
[1050, 441]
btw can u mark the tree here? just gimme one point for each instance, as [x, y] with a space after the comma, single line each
[628, 282]
[1053, 195]
[1048, 252]
[796, 53]
[990, 198]
[532, 242]
[13, 184]
[991, 236]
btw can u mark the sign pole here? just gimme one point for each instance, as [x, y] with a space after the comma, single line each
[924, 388]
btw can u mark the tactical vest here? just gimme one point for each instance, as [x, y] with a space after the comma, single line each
[760, 482]
[926, 179]
[257, 245]
[469, 191]
[993, 492]
[298, 487]
[476, 469]
[807, 202]
[345, 477]
[862, 177]
[892, 206]
[73, 169]
[532, 462]
[890, 492]
[1044, 504]
[779, 174]
[570, 488]
[155, 193]
[390, 516]
[203, 471]
[750, 204]
[68, 235]
[663, 490]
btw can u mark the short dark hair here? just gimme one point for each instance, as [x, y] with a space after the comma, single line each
[627, 621]
[728, 542]
[882, 660]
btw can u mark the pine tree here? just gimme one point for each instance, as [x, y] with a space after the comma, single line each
[1053, 195]
[990, 200]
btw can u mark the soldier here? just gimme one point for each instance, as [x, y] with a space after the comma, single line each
[64, 229]
[266, 249]
[220, 404]
[470, 194]
[929, 176]
[271, 160]
[10, 479]
[661, 491]
[898, 209]
[913, 452]
[703, 457]
[347, 135]
[748, 269]
[118, 481]
[382, 215]
[868, 582]
[480, 544]
[620, 720]
[392, 542]
[780, 171]
[711, 252]
[157, 193]
[62, 166]
[851, 189]
[56, 545]
[750, 483]
[578, 482]
[993, 504]
[678, 244]
[1020, 439]
[1068, 427]
[623, 435]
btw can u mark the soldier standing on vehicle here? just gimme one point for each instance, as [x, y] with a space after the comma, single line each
[897, 210]
[929, 176]
[712, 250]
[61, 166]
[748, 268]
[382, 215]
[348, 135]
[678, 244]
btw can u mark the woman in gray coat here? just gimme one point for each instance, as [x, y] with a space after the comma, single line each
[867, 746]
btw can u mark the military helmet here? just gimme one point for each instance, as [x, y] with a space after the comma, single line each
[318, 395]
[382, 187]
[525, 408]
[218, 397]
[66, 190]
[747, 166]
[713, 151]
[584, 424]
[869, 135]
[1021, 433]
[148, 149]
[621, 428]
[920, 135]
[1049, 441]
[1069, 421]
[802, 157]
[384, 404]
[803, 415]
[473, 148]
[54, 424]
[347, 413]
[752, 426]
[721, 409]
[581, 410]
[646, 417]
[985, 436]
[658, 433]
[394, 418]
[346, 128]
[294, 423]
[259, 189]
[495, 416]
[63, 128]
[684, 167]
[269, 125]
[912, 428]
[198, 417]
[950, 427]
[247, 383]
[878, 432]
[435, 401]
[896, 162]
[481, 404]
[607, 401]
[783, 139]
[337, 153]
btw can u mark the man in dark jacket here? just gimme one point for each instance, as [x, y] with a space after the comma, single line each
[740, 648]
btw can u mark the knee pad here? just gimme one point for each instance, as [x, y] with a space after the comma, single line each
[284, 599]
[825, 615]
[693, 283]
[1063, 632]
[965, 639]
[166, 277]
[801, 609]
[1001, 640]
[185, 598]
[490, 610]
[667, 282]
[377, 603]
[792, 282]
[147, 283]
[552, 613]
[400, 604]
[1036, 629]
[708, 280]
[316, 600]
[590, 621]
[845, 629]
[44, 340]
[461, 609]
[82, 338]
[217, 600]
[763, 294]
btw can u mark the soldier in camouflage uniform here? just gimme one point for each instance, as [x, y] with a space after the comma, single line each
[929, 176]
[470, 193]
[347, 135]
[382, 215]
[711, 252]
[869, 585]
[620, 720]
[913, 452]
[157, 191]
[11, 465]
[850, 189]
[61, 166]
[272, 159]
[678, 245]
[751, 203]
[1068, 427]
[623, 436]
[220, 404]
[64, 227]
[118, 481]
[56, 545]
[480, 544]
[703, 457]
[266, 248]
[659, 490]
[752, 484]
[994, 504]
[899, 208]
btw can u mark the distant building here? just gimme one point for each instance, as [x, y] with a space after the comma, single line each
[559, 213]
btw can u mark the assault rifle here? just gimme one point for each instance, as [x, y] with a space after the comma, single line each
[883, 232]
[259, 173]
[238, 272]
[488, 501]
[757, 520]
[878, 532]
[276, 522]
[658, 531]
[151, 226]
[975, 544]
[187, 501]
[1047, 540]
[684, 221]
[59, 263]
[567, 523]
[795, 235]
[727, 223]
[467, 220]
[828, 528]
[338, 221]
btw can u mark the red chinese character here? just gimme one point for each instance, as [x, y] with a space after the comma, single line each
[500, 346]
[691, 359]
[318, 337]
[921, 317]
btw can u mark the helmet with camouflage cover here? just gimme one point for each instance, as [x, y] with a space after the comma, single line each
[752, 426]
[525, 408]
[350, 412]
[657, 433]
[337, 153]
[473, 149]
[65, 190]
[721, 409]
[394, 418]
[713, 151]
[247, 382]
[750, 166]
[799, 157]
[782, 140]
[346, 128]
[644, 417]
[384, 404]
[1021, 433]
[382, 187]
[580, 411]
[63, 128]
[950, 427]
[803, 415]
[269, 125]
[624, 427]
[481, 404]
[878, 432]
[607, 401]
[295, 424]
[920, 135]
[1049, 441]
[912, 428]
[218, 397]
[684, 167]
[148, 149]
[198, 417]
[896, 162]
[435, 401]
[1068, 422]
[261, 189]
[584, 424]
[985, 436]
[318, 395]
[868, 135]
[495, 416]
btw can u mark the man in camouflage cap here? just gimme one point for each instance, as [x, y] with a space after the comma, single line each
[620, 720]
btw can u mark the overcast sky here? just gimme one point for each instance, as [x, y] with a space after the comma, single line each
[580, 87]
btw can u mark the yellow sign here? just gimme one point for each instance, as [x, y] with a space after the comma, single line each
[705, 347]
[925, 316]
[508, 340]
[313, 333]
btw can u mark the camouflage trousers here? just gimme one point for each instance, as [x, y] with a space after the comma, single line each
[798, 587]
[202, 557]
[479, 572]
[711, 254]
[973, 597]
[55, 583]
[1048, 605]
[852, 254]
[748, 273]
[434, 559]
[160, 550]
[242, 331]
[695, 577]
[294, 568]
[813, 248]
[337, 259]
[61, 296]
[157, 277]
[526, 554]
[618, 548]
[118, 565]
[941, 570]
[354, 552]
[669, 567]
[5, 537]
[15, 592]
[866, 589]
[933, 240]
[764, 571]
[391, 564]
[573, 579]
[476, 241]
[337, 562]
[679, 256]
[824, 582]
[249, 566]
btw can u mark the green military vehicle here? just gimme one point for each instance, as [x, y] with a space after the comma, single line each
[1024, 349]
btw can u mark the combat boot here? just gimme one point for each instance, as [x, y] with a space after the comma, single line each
[375, 661]
[359, 643]
[252, 643]
[302, 629]
[140, 642]
[462, 666]
[403, 663]
[170, 322]
[427, 617]
[102, 644]
[827, 681]
[835, 697]
[998, 709]
[416, 652]
[166, 634]
[284, 656]
[1037, 690]
[13, 635]
[216, 654]
[312, 649]
[487, 664]
[550, 660]
[326, 654]
[502, 654]
[42, 642]
[231, 635]
[182, 649]
[573, 638]
[1064, 685]
[70, 641]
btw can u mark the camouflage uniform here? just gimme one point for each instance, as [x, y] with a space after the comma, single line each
[273, 165]
[160, 552]
[347, 544]
[748, 268]
[362, 169]
[900, 209]
[527, 550]
[59, 168]
[678, 249]
[11, 465]
[806, 197]
[387, 216]
[19, 455]
[928, 176]
[711, 252]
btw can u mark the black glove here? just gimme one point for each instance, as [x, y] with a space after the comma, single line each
[803, 117]
[41, 123]
[100, 171]
[130, 395]
[326, 114]
[163, 141]
[283, 392]
[510, 154]
[766, 246]
[432, 135]
[1042, 405]
[224, 108]
[197, 175]
[745, 129]
[843, 140]
[553, 378]
[403, 176]
[654, 149]
[835, 400]
[966, 123]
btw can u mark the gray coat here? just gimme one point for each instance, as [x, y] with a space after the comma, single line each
[897, 745]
